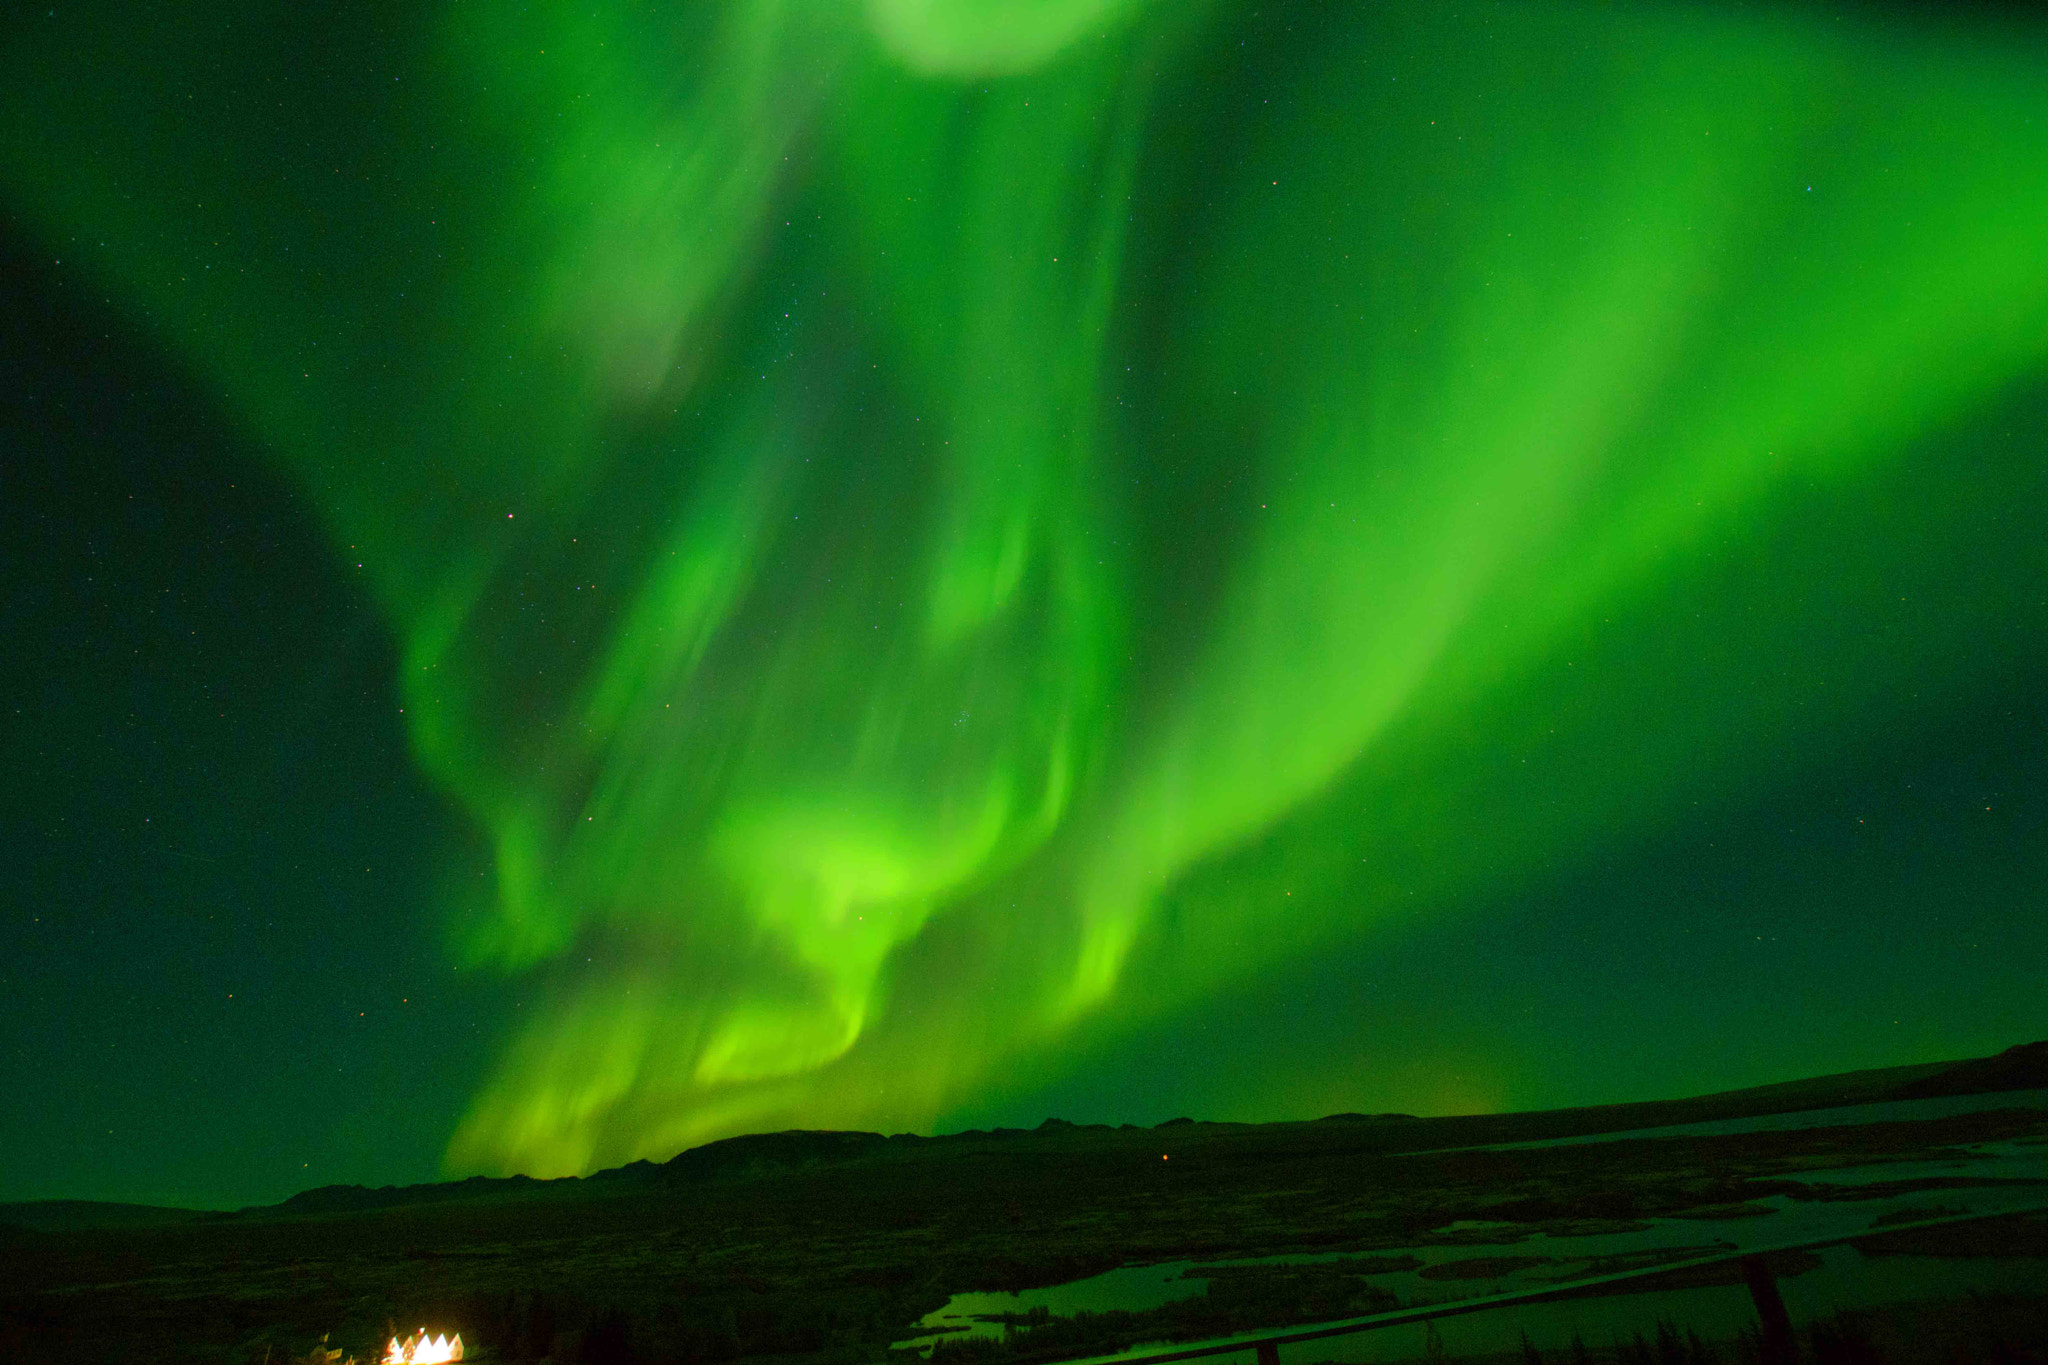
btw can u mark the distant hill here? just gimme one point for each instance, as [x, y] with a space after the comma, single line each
[70, 1215]
[761, 1155]
[1349, 1117]
[351, 1198]
[2017, 1068]
[772, 1154]
[738, 1158]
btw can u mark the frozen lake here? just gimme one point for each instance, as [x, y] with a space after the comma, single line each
[1845, 1279]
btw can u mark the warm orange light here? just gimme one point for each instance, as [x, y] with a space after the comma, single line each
[420, 1349]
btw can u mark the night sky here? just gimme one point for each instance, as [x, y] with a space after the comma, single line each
[581, 584]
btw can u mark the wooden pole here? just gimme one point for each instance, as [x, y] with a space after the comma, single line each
[1779, 1348]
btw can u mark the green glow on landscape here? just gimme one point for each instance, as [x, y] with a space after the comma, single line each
[930, 532]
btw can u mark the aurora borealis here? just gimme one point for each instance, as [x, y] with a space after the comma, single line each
[936, 550]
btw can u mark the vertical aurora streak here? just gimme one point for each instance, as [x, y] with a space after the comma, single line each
[921, 528]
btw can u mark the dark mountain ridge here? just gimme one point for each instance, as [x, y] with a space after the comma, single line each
[761, 1155]
[2024, 1067]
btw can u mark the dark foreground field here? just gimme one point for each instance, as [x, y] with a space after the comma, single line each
[828, 1247]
